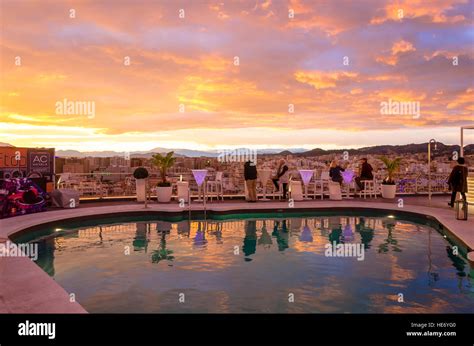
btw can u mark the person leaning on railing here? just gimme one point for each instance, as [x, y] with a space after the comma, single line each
[282, 177]
[457, 181]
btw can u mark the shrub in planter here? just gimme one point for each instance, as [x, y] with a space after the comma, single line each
[163, 162]
[140, 174]
[389, 186]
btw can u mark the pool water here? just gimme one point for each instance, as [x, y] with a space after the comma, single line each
[259, 264]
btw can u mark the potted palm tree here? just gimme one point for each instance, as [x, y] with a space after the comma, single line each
[140, 175]
[389, 187]
[163, 188]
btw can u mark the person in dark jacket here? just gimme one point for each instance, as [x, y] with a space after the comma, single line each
[335, 172]
[282, 176]
[457, 181]
[365, 173]
[250, 175]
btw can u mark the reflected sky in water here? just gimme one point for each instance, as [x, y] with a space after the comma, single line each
[255, 265]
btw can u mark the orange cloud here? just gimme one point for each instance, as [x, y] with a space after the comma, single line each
[322, 79]
[398, 48]
[444, 53]
[433, 10]
[465, 99]
[388, 77]
[402, 46]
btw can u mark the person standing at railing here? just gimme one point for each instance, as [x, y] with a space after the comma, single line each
[457, 181]
[250, 175]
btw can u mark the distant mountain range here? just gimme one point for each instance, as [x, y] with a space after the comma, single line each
[177, 152]
[442, 149]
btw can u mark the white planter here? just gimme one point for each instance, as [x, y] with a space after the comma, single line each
[163, 194]
[141, 189]
[334, 191]
[183, 191]
[296, 191]
[388, 191]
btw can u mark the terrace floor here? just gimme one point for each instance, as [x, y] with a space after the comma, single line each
[25, 288]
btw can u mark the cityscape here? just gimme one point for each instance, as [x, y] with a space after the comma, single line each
[120, 167]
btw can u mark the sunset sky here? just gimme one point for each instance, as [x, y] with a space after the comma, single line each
[78, 50]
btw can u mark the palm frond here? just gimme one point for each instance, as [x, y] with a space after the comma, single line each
[391, 165]
[163, 162]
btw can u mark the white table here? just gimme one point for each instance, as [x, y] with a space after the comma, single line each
[264, 175]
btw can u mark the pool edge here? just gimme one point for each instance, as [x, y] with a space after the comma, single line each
[61, 303]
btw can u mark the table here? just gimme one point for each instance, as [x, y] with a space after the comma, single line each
[306, 175]
[264, 175]
[348, 177]
[200, 176]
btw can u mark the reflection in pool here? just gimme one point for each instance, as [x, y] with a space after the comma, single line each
[259, 265]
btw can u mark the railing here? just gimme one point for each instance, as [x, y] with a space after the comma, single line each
[122, 185]
[418, 183]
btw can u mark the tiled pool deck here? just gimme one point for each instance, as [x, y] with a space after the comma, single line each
[25, 288]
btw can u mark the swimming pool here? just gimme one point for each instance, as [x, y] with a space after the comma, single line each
[324, 262]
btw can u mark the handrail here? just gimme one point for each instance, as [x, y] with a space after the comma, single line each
[114, 185]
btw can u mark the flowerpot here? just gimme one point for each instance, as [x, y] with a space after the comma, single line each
[183, 191]
[296, 191]
[141, 190]
[163, 194]
[388, 191]
[335, 193]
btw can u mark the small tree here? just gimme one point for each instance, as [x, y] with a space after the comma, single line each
[163, 163]
[392, 166]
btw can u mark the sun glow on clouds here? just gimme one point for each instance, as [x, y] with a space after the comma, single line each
[189, 63]
[434, 11]
[322, 80]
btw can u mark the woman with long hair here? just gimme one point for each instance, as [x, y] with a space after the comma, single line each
[335, 172]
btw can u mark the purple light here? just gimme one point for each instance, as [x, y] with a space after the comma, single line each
[199, 175]
[347, 234]
[306, 175]
[199, 239]
[306, 235]
[347, 175]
